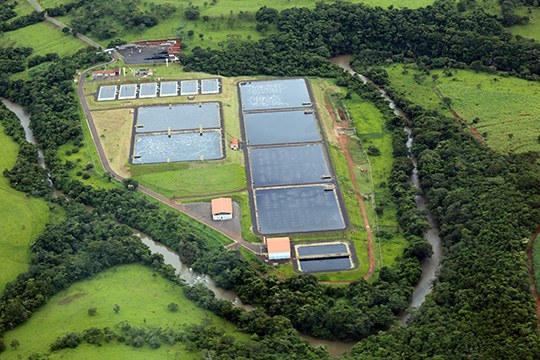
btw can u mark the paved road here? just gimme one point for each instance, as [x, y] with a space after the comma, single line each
[235, 236]
[62, 25]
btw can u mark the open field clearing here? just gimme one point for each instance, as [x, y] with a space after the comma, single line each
[22, 8]
[115, 135]
[22, 218]
[532, 29]
[44, 38]
[143, 299]
[504, 110]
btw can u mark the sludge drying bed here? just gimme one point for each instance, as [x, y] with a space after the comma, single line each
[189, 146]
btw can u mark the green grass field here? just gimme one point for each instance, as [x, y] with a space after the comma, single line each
[22, 8]
[196, 180]
[507, 109]
[143, 300]
[44, 38]
[373, 173]
[22, 218]
[532, 29]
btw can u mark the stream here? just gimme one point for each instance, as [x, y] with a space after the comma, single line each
[24, 117]
[431, 264]
[335, 348]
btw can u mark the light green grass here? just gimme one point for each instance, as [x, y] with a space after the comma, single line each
[22, 218]
[508, 108]
[196, 180]
[23, 8]
[532, 29]
[44, 38]
[143, 300]
[372, 174]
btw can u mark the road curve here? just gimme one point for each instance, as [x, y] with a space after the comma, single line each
[237, 238]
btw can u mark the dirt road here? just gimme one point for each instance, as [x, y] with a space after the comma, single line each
[343, 140]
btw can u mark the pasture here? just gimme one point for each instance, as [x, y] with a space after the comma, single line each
[23, 218]
[142, 297]
[532, 29]
[504, 110]
[44, 38]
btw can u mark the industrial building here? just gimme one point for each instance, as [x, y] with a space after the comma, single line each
[278, 248]
[222, 209]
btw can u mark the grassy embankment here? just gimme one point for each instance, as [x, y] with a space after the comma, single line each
[223, 22]
[22, 218]
[143, 299]
[507, 110]
[44, 38]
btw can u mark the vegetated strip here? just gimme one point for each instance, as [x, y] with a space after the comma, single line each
[343, 144]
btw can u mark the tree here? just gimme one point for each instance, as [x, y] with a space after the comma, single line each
[192, 13]
[372, 150]
[266, 15]
[130, 184]
[116, 308]
[173, 307]
[92, 311]
[15, 344]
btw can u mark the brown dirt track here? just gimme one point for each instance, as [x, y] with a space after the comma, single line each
[343, 140]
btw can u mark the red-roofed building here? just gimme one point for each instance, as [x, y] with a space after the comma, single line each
[222, 209]
[278, 248]
[105, 73]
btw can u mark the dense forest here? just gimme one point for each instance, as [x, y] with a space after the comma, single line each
[486, 204]
[436, 36]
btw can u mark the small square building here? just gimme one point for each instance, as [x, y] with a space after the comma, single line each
[222, 209]
[278, 248]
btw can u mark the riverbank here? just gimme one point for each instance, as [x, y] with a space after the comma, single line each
[431, 264]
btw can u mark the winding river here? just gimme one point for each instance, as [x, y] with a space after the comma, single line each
[431, 264]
